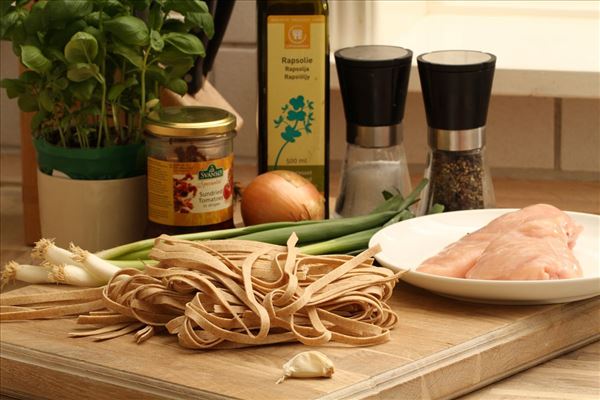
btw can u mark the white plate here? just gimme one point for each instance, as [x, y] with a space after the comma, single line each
[405, 245]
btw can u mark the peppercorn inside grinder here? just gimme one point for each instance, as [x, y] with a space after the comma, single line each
[373, 82]
[456, 86]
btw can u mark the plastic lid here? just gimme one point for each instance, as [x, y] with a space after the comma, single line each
[373, 82]
[190, 121]
[456, 86]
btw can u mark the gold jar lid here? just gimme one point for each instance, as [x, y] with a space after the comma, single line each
[190, 121]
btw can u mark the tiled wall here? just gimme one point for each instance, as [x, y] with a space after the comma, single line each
[527, 136]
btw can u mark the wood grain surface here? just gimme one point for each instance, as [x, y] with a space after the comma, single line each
[442, 348]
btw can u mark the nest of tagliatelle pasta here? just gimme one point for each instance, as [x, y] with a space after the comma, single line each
[230, 293]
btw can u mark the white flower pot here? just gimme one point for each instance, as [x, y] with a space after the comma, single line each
[93, 214]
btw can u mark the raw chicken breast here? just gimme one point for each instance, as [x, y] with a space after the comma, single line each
[459, 257]
[535, 250]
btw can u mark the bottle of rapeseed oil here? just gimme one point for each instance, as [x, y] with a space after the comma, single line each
[293, 95]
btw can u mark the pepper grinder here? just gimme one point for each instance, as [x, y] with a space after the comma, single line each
[456, 86]
[373, 82]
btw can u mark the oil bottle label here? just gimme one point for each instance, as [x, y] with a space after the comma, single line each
[296, 47]
[190, 193]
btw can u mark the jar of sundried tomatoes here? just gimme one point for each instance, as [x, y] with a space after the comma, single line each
[190, 169]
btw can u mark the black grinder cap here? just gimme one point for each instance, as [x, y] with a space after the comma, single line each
[456, 86]
[373, 81]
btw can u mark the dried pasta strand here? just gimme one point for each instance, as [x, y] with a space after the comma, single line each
[230, 294]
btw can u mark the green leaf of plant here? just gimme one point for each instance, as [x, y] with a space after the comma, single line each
[80, 72]
[14, 87]
[30, 77]
[63, 11]
[45, 100]
[155, 16]
[27, 102]
[156, 73]
[117, 89]
[172, 56]
[156, 41]
[60, 37]
[130, 54]
[129, 30]
[178, 86]
[83, 90]
[82, 48]
[55, 54]
[37, 20]
[185, 42]
[186, 6]
[7, 22]
[5, 5]
[94, 18]
[179, 69]
[202, 20]
[33, 59]
[60, 84]
[140, 5]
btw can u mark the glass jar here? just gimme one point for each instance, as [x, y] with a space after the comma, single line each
[458, 172]
[190, 169]
[367, 172]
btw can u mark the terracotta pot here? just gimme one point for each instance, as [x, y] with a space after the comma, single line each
[93, 214]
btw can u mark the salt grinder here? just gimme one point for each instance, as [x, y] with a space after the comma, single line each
[456, 86]
[373, 81]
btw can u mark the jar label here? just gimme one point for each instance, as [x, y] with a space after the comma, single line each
[190, 193]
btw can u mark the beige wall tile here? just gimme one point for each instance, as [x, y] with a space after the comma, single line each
[9, 111]
[520, 132]
[580, 147]
[242, 25]
[235, 77]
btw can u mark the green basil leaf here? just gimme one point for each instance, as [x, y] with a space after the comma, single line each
[5, 6]
[60, 12]
[60, 84]
[186, 6]
[80, 72]
[60, 37]
[129, 30]
[94, 18]
[83, 90]
[130, 54]
[45, 100]
[185, 42]
[37, 20]
[156, 41]
[82, 48]
[55, 54]
[27, 102]
[178, 86]
[117, 89]
[7, 22]
[177, 70]
[157, 74]
[33, 59]
[14, 87]
[140, 5]
[112, 7]
[171, 56]
[155, 17]
[30, 77]
[202, 20]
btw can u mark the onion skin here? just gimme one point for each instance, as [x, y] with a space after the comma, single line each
[281, 195]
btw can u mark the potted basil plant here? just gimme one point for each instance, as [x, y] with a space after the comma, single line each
[94, 70]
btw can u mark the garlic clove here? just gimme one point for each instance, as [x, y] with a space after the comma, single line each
[308, 364]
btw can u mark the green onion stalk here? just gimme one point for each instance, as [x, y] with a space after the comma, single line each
[334, 236]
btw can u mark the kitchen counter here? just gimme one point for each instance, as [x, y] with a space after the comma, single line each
[573, 375]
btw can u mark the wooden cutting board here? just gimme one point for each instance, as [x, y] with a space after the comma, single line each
[440, 349]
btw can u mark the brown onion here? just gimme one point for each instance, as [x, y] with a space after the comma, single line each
[281, 196]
